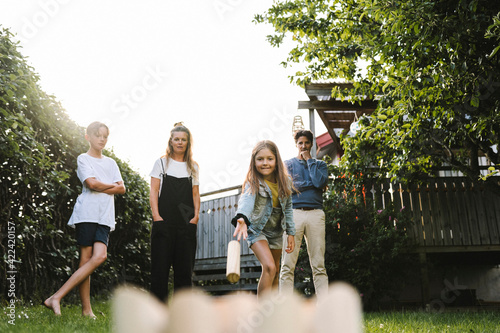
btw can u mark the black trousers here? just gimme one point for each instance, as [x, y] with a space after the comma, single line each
[172, 245]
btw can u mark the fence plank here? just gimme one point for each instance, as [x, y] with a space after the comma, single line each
[416, 208]
[386, 193]
[369, 191]
[458, 216]
[230, 214]
[201, 230]
[209, 231]
[435, 219]
[201, 223]
[444, 212]
[407, 206]
[469, 201]
[225, 220]
[481, 215]
[492, 208]
[377, 195]
[397, 196]
[465, 213]
[224, 228]
[217, 226]
[425, 200]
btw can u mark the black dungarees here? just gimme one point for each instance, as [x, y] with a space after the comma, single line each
[173, 240]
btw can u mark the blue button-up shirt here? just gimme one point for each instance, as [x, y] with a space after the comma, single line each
[309, 178]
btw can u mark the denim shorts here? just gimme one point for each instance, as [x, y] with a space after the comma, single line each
[275, 243]
[272, 232]
[87, 233]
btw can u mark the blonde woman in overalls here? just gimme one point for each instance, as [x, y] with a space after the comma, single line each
[175, 203]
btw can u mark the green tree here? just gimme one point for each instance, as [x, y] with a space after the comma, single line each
[433, 66]
[39, 145]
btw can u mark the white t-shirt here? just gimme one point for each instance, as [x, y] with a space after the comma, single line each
[92, 206]
[175, 169]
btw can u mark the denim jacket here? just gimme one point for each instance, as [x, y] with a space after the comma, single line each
[256, 209]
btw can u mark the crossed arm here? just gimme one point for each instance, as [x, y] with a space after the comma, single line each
[95, 185]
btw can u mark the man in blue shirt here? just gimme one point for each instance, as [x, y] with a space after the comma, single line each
[309, 176]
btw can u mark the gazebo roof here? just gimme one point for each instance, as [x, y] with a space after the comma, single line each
[337, 115]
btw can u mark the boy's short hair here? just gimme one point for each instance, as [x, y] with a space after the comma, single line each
[94, 127]
[307, 133]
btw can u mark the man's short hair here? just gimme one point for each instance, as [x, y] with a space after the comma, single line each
[307, 133]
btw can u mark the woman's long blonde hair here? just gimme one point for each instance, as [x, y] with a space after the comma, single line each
[281, 173]
[188, 155]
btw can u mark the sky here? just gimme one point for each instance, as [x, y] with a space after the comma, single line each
[141, 66]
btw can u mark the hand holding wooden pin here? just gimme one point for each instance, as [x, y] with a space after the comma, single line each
[241, 229]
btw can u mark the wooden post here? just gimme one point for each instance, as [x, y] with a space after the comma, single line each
[425, 278]
[312, 126]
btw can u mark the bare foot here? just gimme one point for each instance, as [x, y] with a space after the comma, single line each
[53, 304]
[90, 315]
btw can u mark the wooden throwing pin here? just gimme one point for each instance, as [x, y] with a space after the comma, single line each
[233, 261]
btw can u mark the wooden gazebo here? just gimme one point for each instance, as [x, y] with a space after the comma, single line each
[336, 115]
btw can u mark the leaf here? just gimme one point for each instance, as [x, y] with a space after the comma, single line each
[495, 50]
[370, 133]
[474, 101]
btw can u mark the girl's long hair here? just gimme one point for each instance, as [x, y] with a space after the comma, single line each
[280, 173]
[188, 155]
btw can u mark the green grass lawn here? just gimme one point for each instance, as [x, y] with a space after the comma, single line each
[422, 322]
[35, 318]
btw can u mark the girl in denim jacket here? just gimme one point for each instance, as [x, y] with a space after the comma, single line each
[265, 211]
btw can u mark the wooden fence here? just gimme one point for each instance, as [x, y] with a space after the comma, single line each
[450, 214]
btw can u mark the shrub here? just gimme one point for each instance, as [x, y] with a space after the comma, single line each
[39, 145]
[366, 246]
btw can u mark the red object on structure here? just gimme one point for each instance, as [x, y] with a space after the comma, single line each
[324, 140]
